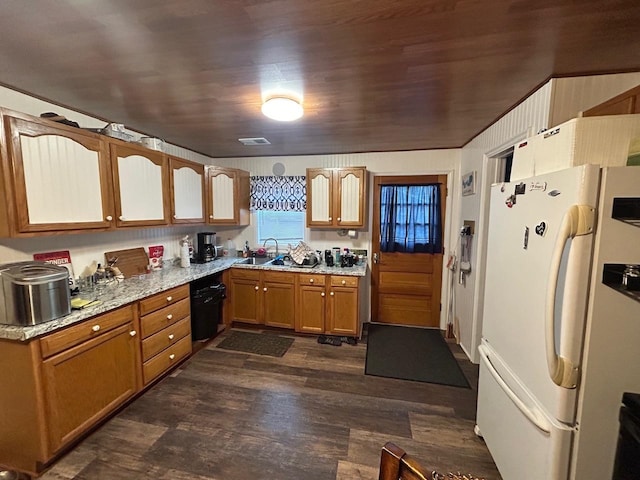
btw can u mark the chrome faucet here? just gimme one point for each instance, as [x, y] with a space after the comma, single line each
[264, 244]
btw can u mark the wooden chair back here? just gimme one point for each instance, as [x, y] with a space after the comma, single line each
[396, 464]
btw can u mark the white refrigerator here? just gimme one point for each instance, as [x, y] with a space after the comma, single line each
[559, 347]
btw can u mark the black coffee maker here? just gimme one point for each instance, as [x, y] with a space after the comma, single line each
[328, 258]
[206, 251]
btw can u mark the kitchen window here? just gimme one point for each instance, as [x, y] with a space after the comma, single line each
[279, 203]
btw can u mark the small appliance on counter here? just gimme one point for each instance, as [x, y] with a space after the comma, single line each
[33, 292]
[207, 250]
[328, 258]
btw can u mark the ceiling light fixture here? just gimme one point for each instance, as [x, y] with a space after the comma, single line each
[283, 109]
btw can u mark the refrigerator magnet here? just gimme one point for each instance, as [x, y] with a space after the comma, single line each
[541, 228]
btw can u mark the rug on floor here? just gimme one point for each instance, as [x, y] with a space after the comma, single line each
[259, 343]
[411, 353]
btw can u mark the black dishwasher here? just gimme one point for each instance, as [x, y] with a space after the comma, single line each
[207, 295]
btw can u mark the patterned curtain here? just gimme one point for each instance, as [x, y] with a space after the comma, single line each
[410, 219]
[279, 193]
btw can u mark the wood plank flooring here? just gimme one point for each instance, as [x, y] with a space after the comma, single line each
[310, 414]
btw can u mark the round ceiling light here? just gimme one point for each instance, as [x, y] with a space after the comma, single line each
[283, 109]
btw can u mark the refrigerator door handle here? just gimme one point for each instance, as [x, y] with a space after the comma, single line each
[578, 220]
[532, 414]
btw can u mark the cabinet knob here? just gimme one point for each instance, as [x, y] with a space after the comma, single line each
[331, 294]
[133, 333]
[339, 219]
[211, 217]
[109, 218]
[344, 282]
[322, 294]
[172, 356]
[311, 280]
[175, 216]
[170, 316]
[264, 289]
[257, 287]
[330, 218]
[96, 328]
[169, 298]
[171, 336]
[121, 218]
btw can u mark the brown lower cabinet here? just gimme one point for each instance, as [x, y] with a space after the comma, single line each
[54, 388]
[308, 303]
[263, 297]
[328, 304]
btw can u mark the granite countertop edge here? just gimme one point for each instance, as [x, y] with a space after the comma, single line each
[137, 288]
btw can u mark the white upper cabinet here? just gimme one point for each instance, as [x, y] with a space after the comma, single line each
[57, 178]
[336, 197]
[319, 197]
[227, 196]
[187, 191]
[141, 185]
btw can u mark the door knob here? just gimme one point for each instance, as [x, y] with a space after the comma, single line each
[375, 258]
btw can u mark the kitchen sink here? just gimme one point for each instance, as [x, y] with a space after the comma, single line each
[257, 261]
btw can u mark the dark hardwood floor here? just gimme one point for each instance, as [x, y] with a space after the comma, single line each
[310, 414]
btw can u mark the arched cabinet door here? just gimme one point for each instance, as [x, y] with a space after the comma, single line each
[227, 196]
[141, 185]
[336, 197]
[187, 191]
[57, 178]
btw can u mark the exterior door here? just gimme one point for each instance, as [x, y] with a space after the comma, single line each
[406, 285]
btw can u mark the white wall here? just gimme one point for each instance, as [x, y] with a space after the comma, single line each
[390, 163]
[572, 95]
[87, 250]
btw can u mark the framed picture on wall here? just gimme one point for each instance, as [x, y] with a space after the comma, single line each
[469, 183]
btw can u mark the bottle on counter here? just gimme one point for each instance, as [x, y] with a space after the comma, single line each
[184, 252]
[231, 248]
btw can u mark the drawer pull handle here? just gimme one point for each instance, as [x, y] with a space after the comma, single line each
[256, 287]
[322, 294]
[96, 328]
[331, 294]
[169, 298]
[344, 282]
[311, 280]
[133, 333]
[170, 316]
[171, 336]
[172, 356]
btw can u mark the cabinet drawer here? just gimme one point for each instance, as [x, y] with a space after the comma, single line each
[166, 359]
[156, 321]
[245, 273]
[344, 281]
[279, 277]
[163, 299]
[164, 338]
[306, 279]
[76, 334]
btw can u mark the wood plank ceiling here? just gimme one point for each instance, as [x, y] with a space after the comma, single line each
[374, 75]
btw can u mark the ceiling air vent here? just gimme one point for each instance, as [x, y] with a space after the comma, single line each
[254, 141]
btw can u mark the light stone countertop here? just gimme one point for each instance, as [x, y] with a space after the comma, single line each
[132, 289]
